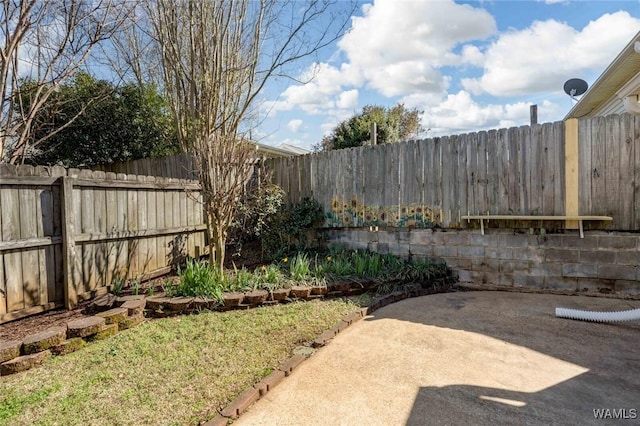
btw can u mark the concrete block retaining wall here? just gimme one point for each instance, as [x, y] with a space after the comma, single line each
[601, 262]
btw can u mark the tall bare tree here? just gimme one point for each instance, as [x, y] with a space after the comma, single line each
[217, 58]
[46, 42]
[133, 55]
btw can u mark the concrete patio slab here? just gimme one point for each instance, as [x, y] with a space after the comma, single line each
[482, 358]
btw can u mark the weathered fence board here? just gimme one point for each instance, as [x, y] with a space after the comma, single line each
[66, 235]
[612, 164]
[517, 171]
[12, 260]
[636, 207]
[585, 171]
[482, 200]
[626, 181]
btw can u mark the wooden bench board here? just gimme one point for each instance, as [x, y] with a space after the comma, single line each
[530, 217]
[580, 219]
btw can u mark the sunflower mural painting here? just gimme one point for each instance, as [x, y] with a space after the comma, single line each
[354, 213]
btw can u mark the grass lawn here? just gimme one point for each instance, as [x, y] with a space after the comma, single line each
[176, 370]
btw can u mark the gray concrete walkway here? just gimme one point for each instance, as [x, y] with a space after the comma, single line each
[481, 358]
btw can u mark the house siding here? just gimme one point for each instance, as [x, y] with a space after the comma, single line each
[613, 106]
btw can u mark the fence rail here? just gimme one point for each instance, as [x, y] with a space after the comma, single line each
[65, 234]
[516, 171]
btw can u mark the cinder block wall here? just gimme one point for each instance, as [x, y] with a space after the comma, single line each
[601, 262]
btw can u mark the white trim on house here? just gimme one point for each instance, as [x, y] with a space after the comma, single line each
[620, 78]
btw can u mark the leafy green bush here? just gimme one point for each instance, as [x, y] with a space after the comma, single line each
[255, 214]
[288, 232]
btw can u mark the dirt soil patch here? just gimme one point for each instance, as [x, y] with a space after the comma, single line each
[21, 328]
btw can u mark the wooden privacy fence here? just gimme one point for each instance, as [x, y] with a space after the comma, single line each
[66, 234]
[516, 171]
[179, 166]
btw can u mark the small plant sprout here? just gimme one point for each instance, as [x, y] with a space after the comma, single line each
[117, 284]
[135, 287]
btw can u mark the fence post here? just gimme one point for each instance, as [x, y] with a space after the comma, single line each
[373, 141]
[571, 172]
[69, 255]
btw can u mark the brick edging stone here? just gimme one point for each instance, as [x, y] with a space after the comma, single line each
[251, 395]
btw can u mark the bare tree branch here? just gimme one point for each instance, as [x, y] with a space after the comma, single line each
[46, 43]
[217, 58]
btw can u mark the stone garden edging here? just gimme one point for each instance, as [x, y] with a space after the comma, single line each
[251, 395]
[121, 313]
[35, 349]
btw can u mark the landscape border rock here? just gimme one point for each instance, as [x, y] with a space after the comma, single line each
[85, 326]
[23, 363]
[131, 310]
[234, 410]
[9, 350]
[44, 340]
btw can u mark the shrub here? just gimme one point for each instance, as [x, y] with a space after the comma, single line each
[288, 233]
[255, 214]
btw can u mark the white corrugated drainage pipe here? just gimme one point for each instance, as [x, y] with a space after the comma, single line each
[615, 316]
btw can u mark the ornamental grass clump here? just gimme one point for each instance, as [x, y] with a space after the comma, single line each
[198, 279]
[339, 265]
[300, 268]
[426, 269]
[239, 280]
[367, 265]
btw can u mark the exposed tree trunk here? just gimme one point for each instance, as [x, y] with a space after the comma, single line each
[217, 56]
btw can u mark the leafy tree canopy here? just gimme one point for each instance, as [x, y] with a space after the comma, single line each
[88, 122]
[393, 124]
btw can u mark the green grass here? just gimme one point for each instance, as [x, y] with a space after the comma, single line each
[175, 371]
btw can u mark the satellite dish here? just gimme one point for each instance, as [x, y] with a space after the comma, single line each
[575, 87]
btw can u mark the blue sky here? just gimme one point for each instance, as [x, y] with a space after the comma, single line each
[468, 65]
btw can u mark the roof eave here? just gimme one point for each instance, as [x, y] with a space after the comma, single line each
[594, 97]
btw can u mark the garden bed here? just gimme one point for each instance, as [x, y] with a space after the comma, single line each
[350, 278]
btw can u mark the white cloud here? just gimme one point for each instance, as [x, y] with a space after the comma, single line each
[348, 99]
[396, 49]
[542, 57]
[460, 113]
[415, 51]
[294, 125]
[399, 46]
[324, 82]
[395, 31]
